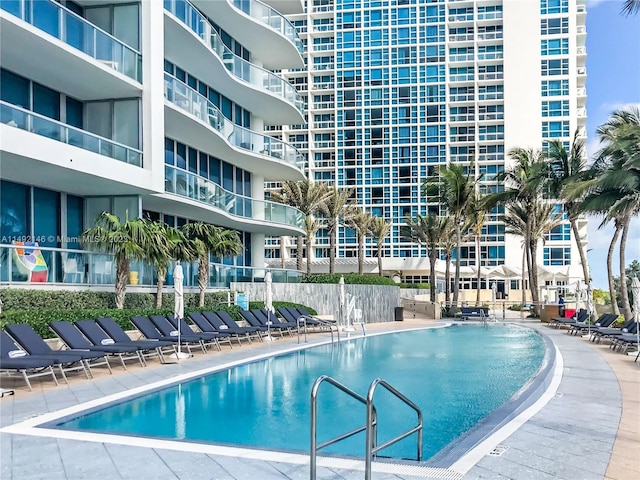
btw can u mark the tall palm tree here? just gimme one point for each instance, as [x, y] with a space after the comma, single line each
[616, 187]
[311, 226]
[453, 189]
[525, 183]
[206, 240]
[360, 221]
[566, 170]
[165, 244]
[428, 231]
[630, 7]
[305, 195]
[128, 240]
[337, 207]
[449, 245]
[475, 217]
[516, 224]
[379, 230]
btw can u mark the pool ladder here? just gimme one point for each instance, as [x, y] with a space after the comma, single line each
[371, 425]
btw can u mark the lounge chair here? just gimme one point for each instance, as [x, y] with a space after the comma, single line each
[311, 320]
[98, 336]
[204, 325]
[215, 337]
[115, 331]
[626, 339]
[600, 333]
[74, 339]
[34, 344]
[605, 320]
[559, 322]
[149, 330]
[29, 366]
[255, 322]
[224, 322]
[165, 328]
[264, 316]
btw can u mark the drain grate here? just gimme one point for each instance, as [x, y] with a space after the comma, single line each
[498, 451]
[558, 395]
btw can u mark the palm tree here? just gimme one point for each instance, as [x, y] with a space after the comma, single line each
[566, 170]
[379, 230]
[615, 186]
[630, 7]
[516, 224]
[475, 216]
[305, 195]
[337, 206]
[126, 241]
[206, 240]
[453, 189]
[360, 221]
[525, 184]
[165, 244]
[311, 226]
[428, 231]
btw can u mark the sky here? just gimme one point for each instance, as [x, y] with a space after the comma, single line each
[613, 82]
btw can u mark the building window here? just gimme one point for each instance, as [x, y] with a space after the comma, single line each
[557, 108]
[552, 68]
[555, 129]
[556, 46]
[555, 88]
[554, 26]
[557, 256]
[548, 7]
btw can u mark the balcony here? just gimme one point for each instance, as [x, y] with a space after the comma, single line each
[261, 29]
[73, 267]
[56, 20]
[23, 119]
[285, 161]
[266, 217]
[242, 72]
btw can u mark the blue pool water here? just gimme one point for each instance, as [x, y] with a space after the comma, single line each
[457, 376]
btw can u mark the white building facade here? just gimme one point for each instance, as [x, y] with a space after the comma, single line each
[397, 88]
[147, 108]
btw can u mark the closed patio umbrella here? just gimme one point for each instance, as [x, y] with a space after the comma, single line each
[268, 302]
[178, 306]
[635, 291]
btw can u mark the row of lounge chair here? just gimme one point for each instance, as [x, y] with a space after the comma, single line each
[92, 343]
[621, 338]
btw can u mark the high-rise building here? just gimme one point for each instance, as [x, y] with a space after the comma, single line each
[142, 108]
[398, 88]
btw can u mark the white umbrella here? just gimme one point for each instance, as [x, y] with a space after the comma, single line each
[268, 302]
[342, 300]
[178, 306]
[589, 305]
[635, 291]
[494, 296]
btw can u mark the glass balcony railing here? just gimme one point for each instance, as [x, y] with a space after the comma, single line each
[270, 17]
[79, 267]
[47, 127]
[195, 187]
[237, 66]
[72, 29]
[189, 100]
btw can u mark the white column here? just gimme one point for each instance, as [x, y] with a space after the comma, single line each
[257, 239]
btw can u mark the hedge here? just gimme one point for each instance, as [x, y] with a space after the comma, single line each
[349, 278]
[19, 299]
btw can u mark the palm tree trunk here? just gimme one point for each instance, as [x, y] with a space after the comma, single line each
[534, 274]
[332, 249]
[122, 278]
[447, 279]
[299, 256]
[523, 279]
[360, 254]
[379, 255]
[583, 255]
[162, 276]
[308, 247]
[203, 278]
[612, 289]
[283, 253]
[432, 276]
[479, 277]
[456, 284]
[624, 291]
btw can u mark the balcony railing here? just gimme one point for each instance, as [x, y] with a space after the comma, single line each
[272, 18]
[195, 187]
[199, 106]
[237, 66]
[72, 29]
[79, 267]
[47, 127]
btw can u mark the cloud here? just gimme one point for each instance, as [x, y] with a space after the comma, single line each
[594, 3]
[612, 107]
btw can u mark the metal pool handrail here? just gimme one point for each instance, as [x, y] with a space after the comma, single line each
[371, 425]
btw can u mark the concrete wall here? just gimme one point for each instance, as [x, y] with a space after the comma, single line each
[376, 301]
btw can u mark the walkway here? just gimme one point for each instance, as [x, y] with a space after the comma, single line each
[571, 438]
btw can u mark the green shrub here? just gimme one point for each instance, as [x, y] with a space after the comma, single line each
[349, 278]
[277, 305]
[424, 286]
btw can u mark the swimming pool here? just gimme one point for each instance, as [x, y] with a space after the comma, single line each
[457, 375]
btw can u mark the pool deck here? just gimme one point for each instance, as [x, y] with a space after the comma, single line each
[590, 429]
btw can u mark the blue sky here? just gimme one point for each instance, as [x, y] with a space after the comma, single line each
[613, 81]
